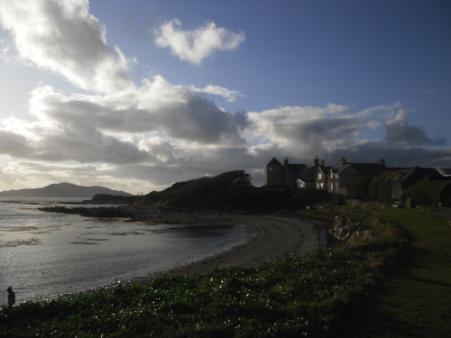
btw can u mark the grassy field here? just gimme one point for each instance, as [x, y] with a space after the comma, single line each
[413, 300]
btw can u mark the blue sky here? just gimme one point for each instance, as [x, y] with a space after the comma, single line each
[359, 53]
[146, 107]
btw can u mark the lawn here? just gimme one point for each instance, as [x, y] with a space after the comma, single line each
[413, 300]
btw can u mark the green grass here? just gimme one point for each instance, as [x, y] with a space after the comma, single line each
[291, 297]
[372, 289]
[414, 300]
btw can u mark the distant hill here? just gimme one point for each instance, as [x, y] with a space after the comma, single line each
[229, 191]
[62, 190]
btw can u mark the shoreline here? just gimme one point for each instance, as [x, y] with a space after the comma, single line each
[268, 238]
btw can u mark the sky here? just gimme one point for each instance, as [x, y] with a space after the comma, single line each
[139, 94]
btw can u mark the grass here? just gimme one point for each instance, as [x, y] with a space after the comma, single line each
[376, 288]
[414, 300]
[291, 297]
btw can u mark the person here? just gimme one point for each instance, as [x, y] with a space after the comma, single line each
[11, 297]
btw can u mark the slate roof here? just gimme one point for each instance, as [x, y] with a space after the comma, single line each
[297, 170]
[365, 169]
[274, 161]
[308, 175]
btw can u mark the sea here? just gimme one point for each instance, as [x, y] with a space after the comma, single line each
[43, 255]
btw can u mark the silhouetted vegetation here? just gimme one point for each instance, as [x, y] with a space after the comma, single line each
[111, 199]
[230, 191]
[430, 193]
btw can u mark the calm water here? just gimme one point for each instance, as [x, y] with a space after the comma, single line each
[46, 254]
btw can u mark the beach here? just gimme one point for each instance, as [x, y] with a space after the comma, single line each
[268, 238]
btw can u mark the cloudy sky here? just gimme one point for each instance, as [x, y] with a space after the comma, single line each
[138, 94]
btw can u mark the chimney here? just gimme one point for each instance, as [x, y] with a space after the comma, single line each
[382, 162]
[316, 162]
[343, 161]
[322, 164]
[285, 161]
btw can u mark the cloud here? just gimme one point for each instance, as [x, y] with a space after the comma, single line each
[307, 129]
[196, 45]
[145, 136]
[64, 37]
[227, 94]
[396, 155]
[401, 132]
[156, 106]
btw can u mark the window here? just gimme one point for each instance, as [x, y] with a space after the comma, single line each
[320, 176]
[300, 184]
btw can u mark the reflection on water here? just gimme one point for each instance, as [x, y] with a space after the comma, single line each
[45, 254]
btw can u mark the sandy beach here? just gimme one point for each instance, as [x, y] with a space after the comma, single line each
[268, 237]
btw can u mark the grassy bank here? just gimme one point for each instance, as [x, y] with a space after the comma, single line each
[291, 297]
[413, 300]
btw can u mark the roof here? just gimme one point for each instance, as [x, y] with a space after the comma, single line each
[297, 170]
[274, 161]
[366, 169]
[445, 172]
[309, 174]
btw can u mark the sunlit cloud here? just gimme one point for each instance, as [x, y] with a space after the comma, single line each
[198, 44]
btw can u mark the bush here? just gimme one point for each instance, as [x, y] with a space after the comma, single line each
[230, 191]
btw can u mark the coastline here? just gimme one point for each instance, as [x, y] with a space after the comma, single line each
[268, 238]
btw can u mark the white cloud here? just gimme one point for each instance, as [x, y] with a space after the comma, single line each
[308, 130]
[138, 137]
[155, 106]
[64, 37]
[196, 45]
[227, 94]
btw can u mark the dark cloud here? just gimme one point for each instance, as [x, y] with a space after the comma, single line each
[396, 156]
[401, 132]
[87, 146]
[182, 115]
[15, 145]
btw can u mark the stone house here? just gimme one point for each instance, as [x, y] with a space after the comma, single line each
[297, 176]
[353, 179]
[348, 179]
[287, 174]
[357, 180]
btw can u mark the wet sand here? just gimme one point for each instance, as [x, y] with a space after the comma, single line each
[268, 238]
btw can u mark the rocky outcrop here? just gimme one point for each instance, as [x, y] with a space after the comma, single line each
[344, 229]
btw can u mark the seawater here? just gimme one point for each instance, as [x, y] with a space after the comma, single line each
[48, 254]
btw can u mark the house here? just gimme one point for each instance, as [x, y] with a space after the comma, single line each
[297, 176]
[287, 174]
[352, 179]
[321, 176]
[362, 180]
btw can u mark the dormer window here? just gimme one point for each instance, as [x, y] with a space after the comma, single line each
[320, 176]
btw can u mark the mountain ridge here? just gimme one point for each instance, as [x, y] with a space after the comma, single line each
[63, 189]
